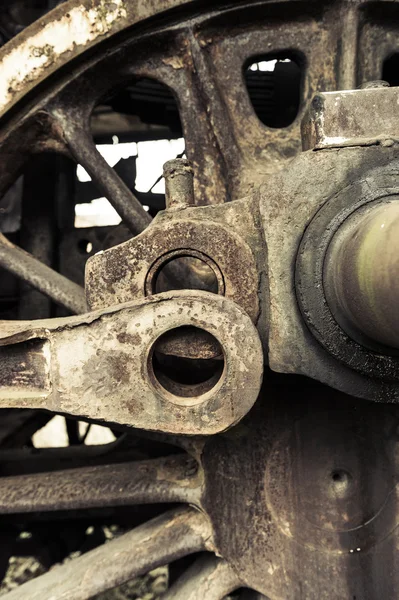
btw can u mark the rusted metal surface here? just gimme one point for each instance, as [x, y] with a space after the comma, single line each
[61, 35]
[189, 343]
[25, 372]
[179, 187]
[321, 189]
[38, 230]
[337, 119]
[361, 275]
[126, 271]
[166, 538]
[371, 181]
[303, 491]
[46, 44]
[322, 505]
[83, 149]
[27, 460]
[203, 66]
[100, 365]
[40, 276]
[172, 479]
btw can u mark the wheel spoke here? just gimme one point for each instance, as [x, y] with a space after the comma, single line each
[26, 461]
[137, 446]
[198, 104]
[18, 425]
[105, 178]
[171, 479]
[215, 111]
[209, 577]
[40, 276]
[166, 538]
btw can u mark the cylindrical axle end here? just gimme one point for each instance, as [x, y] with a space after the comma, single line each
[361, 276]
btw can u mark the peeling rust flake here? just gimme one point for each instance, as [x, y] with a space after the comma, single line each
[32, 57]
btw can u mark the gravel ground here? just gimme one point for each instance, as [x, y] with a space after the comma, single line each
[148, 587]
[22, 568]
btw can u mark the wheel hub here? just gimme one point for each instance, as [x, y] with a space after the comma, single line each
[293, 478]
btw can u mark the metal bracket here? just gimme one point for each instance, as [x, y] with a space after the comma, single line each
[352, 118]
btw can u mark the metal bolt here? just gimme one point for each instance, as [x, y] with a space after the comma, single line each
[361, 276]
[179, 185]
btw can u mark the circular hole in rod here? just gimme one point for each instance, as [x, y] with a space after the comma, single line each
[184, 270]
[186, 362]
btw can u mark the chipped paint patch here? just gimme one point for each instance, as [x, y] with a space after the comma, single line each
[79, 27]
[334, 141]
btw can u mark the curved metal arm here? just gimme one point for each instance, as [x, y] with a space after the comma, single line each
[99, 365]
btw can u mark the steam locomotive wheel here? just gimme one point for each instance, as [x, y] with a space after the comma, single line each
[297, 500]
